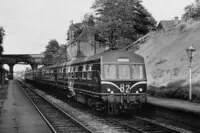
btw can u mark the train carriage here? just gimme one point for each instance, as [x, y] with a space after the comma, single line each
[114, 80]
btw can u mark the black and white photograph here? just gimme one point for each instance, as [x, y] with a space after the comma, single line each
[99, 66]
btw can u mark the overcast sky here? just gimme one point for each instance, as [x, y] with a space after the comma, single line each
[30, 24]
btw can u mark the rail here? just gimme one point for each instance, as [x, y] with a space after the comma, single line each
[57, 119]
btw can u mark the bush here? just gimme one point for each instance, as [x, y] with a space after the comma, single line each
[192, 11]
[176, 90]
[181, 27]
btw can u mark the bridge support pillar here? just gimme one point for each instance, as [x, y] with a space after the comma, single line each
[1, 74]
[34, 66]
[11, 71]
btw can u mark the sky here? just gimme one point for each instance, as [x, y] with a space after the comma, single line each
[30, 24]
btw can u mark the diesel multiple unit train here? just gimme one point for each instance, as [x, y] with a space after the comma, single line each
[113, 81]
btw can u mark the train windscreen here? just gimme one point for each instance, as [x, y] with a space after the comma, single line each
[124, 71]
[137, 72]
[110, 71]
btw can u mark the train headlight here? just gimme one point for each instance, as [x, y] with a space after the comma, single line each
[108, 89]
[137, 92]
[140, 89]
[111, 92]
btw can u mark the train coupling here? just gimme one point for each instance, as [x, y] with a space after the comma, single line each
[99, 106]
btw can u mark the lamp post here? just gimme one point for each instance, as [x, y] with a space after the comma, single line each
[190, 52]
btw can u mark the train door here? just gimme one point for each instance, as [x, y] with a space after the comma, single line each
[55, 74]
[71, 83]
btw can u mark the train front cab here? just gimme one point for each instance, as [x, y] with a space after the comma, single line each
[123, 85]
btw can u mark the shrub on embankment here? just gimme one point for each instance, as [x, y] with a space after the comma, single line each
[176, 90]
[167, 62]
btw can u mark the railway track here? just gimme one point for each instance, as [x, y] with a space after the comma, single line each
[144, 126]
[134, 125]
[137, 125]
[58, 120]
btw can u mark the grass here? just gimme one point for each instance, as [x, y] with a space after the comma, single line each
[176, 90]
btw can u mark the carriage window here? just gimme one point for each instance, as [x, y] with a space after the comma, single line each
[89, 73]
[96, 67]
[137, 72]
[76, 72]
[72, 72]
[124, 72]
[64, 73]
[96, 76]
[110, 71]
[64, 70]
[84, 75]
[80, 72]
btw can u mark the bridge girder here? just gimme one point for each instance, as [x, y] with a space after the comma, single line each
[11, 59]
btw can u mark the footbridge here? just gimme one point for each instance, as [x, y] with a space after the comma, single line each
[12, 59]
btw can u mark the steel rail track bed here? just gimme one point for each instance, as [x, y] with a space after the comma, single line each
[144, 126]
[134, 125]
[58, 120]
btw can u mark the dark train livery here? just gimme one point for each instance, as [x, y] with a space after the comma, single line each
[114, 81]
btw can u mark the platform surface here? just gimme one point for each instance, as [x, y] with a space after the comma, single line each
[19, 115]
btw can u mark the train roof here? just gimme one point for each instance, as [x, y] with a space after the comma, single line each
[115, 55]
[107, 57]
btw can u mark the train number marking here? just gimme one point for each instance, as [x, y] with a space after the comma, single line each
[124, 88]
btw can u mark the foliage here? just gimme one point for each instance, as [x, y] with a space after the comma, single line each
[175, 90]
[192, 11]
[51, 49]
[181, 27]
[2, 34]
[61, 55]
[88, 19]
[77, 28]
[122, 21]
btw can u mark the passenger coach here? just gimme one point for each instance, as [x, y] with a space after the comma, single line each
[114, 81]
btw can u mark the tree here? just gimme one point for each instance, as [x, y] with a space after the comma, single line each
[2, 34]
[192, 11]
[61, 55]
[88, 19]
[50, 51]
[77, 28]
[121, 22]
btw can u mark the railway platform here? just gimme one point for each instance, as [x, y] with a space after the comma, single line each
[175, 104]
[19, 115]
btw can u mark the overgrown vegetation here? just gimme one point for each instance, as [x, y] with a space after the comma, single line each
[179, 89]
[118, 23]
[121, 22]
[55, 53]
[176, 90]
[50, 51]
[2, 34]
[192, 11]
